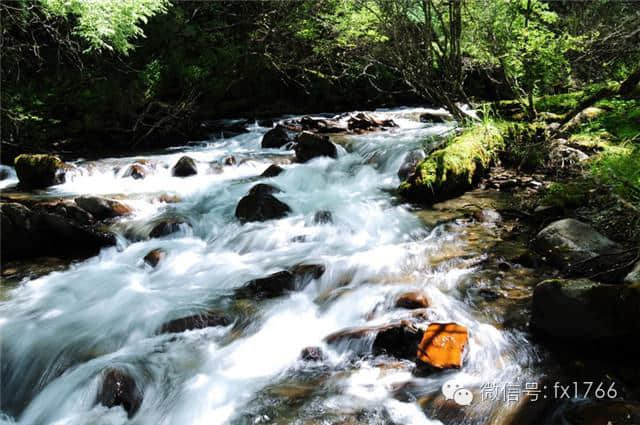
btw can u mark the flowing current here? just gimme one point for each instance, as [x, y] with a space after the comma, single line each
[60, 331]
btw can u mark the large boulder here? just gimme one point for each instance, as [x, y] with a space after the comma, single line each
[261, 205]
[568, 242]
[436, 116]
[322, 125]
[309, 146]
[28, 233]
[197, 321]
[275, 138]
[455, 168]
[584, 310]
[443, 346]
[102, 208]
[398, 339]
[185, 167]
[120, 389]
[40, 170]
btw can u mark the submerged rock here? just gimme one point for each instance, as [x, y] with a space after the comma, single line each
[166, 227]
[102, 208]
[309, 146]
[120, 389]
[442, 346]
[323, 217]
[154, 257]
[260, 205]
[412, 300]
[39, 171]
[185, 167]
[583, 310]
[275, 138]
[567, 242]
[196, 321]
[230, 160]
[272, 171]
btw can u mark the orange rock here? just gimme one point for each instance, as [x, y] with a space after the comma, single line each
[442, 345]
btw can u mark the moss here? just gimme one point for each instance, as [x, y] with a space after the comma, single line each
[525, 146]
[455, 168]
[39, 170]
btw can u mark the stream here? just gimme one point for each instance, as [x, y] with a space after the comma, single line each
[61, 330]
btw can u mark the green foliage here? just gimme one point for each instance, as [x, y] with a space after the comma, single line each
[620, 170]
[107, 24]
[566, 195]
[525, 43]
[526, 146]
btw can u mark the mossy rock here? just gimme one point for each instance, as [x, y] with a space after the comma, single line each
[456, 168]
[40, 170]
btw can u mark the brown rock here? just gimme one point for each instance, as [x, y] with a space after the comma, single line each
[102, 208]
[412, 300]
[442, 345]
[120, 389]
[185, 167]
[165, 228]
[136, 171]
[155, 256]
[197, 321]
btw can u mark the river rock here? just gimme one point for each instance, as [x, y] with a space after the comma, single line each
[260, 205]
[275, 138]
[323, 217]
[264, 189]
[197, 321]
[40, 170]
[410, 163]
[102, 208]
[154, 257]
[412, 300]
[229, 160]
[166, 227]
[309, 146]
[272, 171]
[398, 339]
[136, 171]
[566, 242]
[634, 275]
[28, 233]
[436, 116]
[604, 411]
[312, 354]
[582, 310]
[443, 345]
[185, 167]
[73, 211]
[120, 389]
[322, 125]
[281, 282]
[364, 121]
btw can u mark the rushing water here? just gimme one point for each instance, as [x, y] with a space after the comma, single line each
[61, 330]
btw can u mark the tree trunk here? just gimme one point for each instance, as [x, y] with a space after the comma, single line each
[630, 83]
